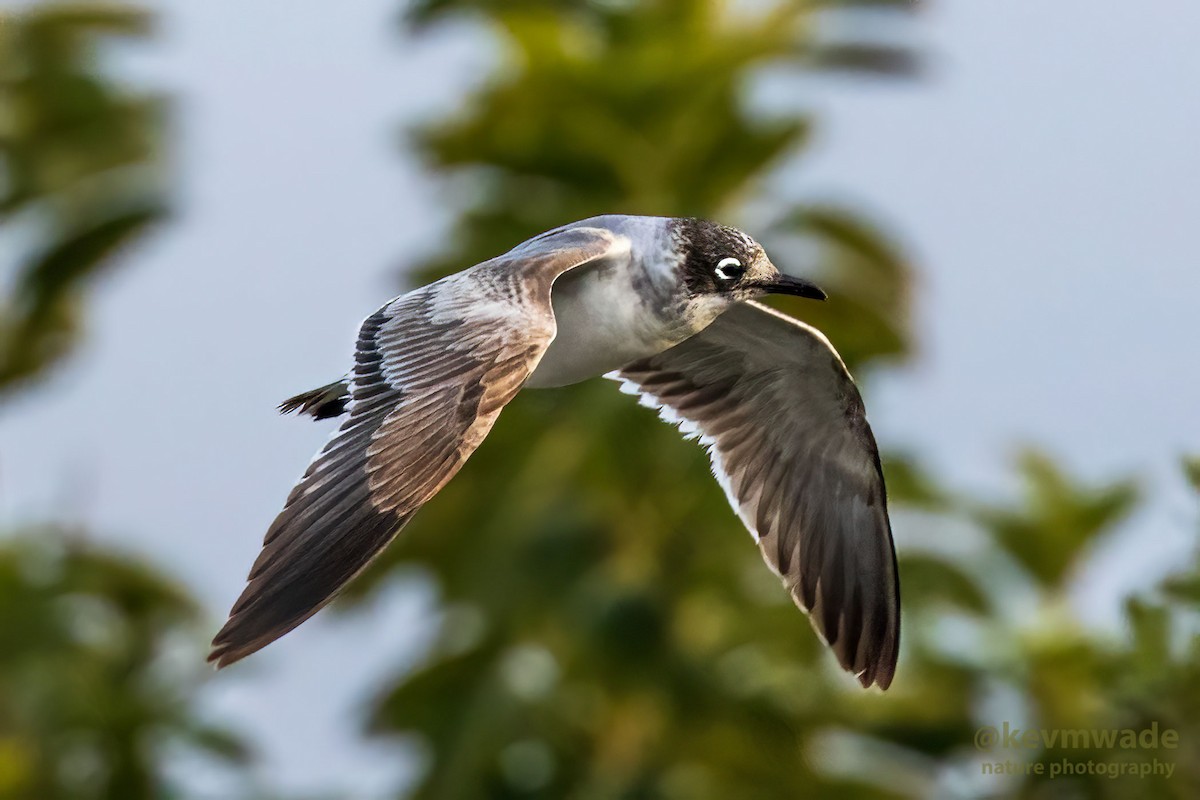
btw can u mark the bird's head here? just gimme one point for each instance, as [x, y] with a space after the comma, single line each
[720, 265]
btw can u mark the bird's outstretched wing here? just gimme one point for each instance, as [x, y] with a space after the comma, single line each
[791, 446]
[433, 368]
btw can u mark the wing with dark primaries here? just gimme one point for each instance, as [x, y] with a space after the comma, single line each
[433, 368]
[791, 446]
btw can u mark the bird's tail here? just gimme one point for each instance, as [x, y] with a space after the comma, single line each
[324, 403]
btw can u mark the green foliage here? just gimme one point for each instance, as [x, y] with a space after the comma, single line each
[640, 108]
[79, 160]
[99, 657]
[608, 631]
[1049, 535]
[1191, 469]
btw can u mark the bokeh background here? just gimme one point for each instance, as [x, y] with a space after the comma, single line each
[198, 202]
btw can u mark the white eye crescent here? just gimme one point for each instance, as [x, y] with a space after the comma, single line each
[729, 269]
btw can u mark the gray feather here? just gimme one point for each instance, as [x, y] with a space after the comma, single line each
[433, 369]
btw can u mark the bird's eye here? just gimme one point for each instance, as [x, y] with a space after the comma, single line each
[729, 269]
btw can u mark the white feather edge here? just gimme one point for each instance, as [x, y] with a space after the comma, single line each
[691, 431]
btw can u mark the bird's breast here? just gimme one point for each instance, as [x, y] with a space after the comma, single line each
[607, 315]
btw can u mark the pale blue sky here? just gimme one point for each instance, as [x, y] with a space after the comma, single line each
[1044, 175]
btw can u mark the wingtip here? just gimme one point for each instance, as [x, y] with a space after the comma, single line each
[879, 672]
[875, 667]
[881, 669]
[227, 650]
[217, 659]
[232, 644]
[869, 666]
[223, 652]
[877, 676]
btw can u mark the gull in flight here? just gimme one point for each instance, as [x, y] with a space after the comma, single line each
[666, 306]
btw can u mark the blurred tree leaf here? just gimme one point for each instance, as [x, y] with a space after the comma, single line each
[911, 485]
[1151, 631]
[1191, 468]
[96, 691]
[940, 580]
[877, 58]
[38, 325]
[1061, 521]
[100, 654]
[1184, 588]
[80, 160]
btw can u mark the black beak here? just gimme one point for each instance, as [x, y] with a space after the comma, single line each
[786, 284]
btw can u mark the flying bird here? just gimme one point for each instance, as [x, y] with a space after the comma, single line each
[666, 306]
